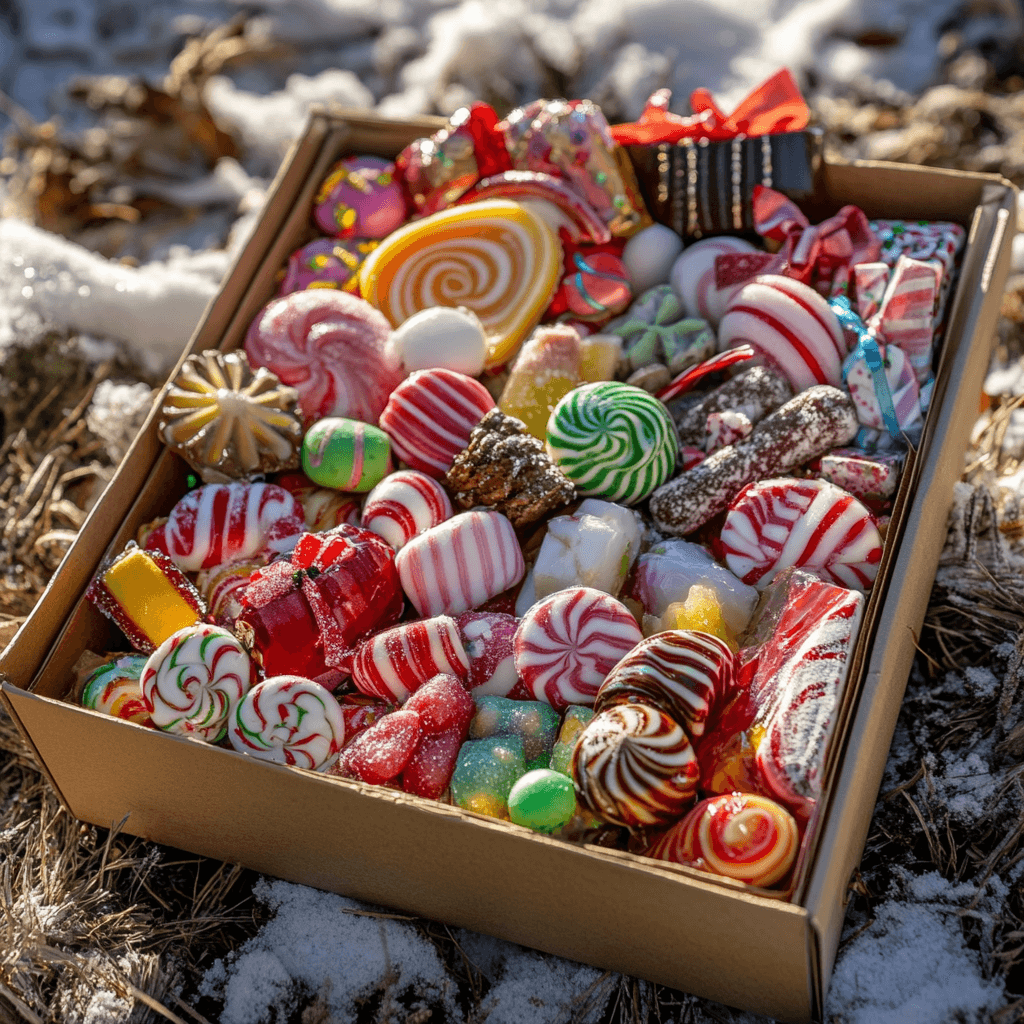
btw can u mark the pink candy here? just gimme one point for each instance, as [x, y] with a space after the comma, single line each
[487, 638]
[360, 198]
[568, 643]
[332, 348]
[461, 563]
[810, 524]
[430, 416]
[396, 662]
[790, 326]
[405, 504]
[326, 263]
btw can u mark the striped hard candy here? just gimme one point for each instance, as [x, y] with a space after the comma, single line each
[114, 689]
[790, 326]
[430, 416]
[567, 644]
[405, 504]
[811, 524]
[613, 441]
[347, 455]
[461, 563]
[693, 276]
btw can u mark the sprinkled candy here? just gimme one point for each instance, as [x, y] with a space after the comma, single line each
[114, 689]
[568, 643]
[811, 524]
[485, 772]
[360, 198]
[460, 563]
[534, 722]
[613, 441]
[740, 835]
[326, 263]
[495, 257]
[693, 276]
[445, 710]
[442, 337]
[868, 477]
[403, 505]
[194, 679]
[346, 454]
[543, 800]
[379, 754]
[430, 416]
[289, 720]
[633, 765]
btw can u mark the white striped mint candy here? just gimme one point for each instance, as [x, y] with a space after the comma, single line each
[394, 663]
[430, 416]
[791, 326]
[811, 524]
[693, 276]
[460, 563]
[567, 644]
[405, 504]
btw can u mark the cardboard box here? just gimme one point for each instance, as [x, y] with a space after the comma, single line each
[749, 948]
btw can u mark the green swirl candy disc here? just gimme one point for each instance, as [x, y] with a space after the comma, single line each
[613, 440]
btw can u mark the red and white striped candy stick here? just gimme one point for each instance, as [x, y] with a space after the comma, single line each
[405, 504]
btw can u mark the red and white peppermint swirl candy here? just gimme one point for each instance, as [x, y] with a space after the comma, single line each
[220, 523]
[394, 663]
[332, 348]
[790, 326]
[811, 524]
[693, 277]
[461, 563]
[685, 672]
[487, 638]
[222, 588]
[289, 720]
[634, 765]
[194, 679]
[568, 643]
[405, 504]
[430, 416]
[740, 835]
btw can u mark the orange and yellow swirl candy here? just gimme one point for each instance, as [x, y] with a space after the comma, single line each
[739, 835]
[495, 257]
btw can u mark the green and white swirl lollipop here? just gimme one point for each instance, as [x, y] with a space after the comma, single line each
[613, 440]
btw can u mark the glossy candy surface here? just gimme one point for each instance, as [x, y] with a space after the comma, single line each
[347, 455]
[114, 689]
[403, 505]
[360, 198]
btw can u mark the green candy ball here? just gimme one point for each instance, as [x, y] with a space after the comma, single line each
[346, 454]
[543, 800]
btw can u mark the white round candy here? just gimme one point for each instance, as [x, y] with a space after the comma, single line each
[648, 256]
[451, 338]
[693, 277]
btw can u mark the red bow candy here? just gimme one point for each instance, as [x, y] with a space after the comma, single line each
[772, 107]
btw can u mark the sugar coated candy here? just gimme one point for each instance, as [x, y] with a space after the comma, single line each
[445, 337]
[146, 595]
[228, 421]
[485, 772]
[868, 477]
[657, 331]
[326, 263]
[332, 348]
[219, 523]
[346, 454]
[382, 752]
[649, 256]
[430, 416]
[693, 276]
[403, 505]
[613, 441]
[360, 198]
[567, 644]
[811, 524]
[790, 326]
[739, 835]
[193, 680]
[487, 639]
[542, 799]
[115, 689]
[574, 721]
[494, 257]
[534, 722]
[288, 720]
[392, 664]
[634, 765]
[700, 611]
[445, 710]
[461, 563]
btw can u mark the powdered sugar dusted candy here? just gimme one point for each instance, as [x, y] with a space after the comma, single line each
[360, 198]
[487, 638]
[430, 416]
[289, 720]
[220, 523]
[405, 504]
[568, 643]
[115, 689]
[685, 673]
[790, 326]
[326, 263]
[613, 441]
[194, 679]
[461, 563]
[693, 276]
[442, 337]
[633, 765]
[332, 348]
[810, 424]
[811, 524]
[869, 477]
[725, 428]
[740, 835]
[392, 664]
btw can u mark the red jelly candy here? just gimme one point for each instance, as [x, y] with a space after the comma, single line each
[442, 703]
[361, 713]
[382, 751]
[430, 768]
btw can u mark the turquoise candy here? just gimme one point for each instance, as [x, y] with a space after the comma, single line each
[577, 717]
[346, 454]
[543, 800]
[485, 772]
[534, 722]
[613, 441]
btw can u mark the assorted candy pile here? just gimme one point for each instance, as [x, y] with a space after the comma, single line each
[515, 500]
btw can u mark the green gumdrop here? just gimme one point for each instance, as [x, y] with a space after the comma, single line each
[543, 800]
[534, 722]
[485, 772]
[346, 454]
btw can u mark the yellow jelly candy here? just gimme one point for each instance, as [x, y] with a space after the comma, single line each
[700, 611]
[547, 369]
[599, 355]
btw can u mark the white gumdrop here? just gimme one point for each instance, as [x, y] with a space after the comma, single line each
[648, 256]
[442, 337]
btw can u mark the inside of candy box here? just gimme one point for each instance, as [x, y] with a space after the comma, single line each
[633, 705]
